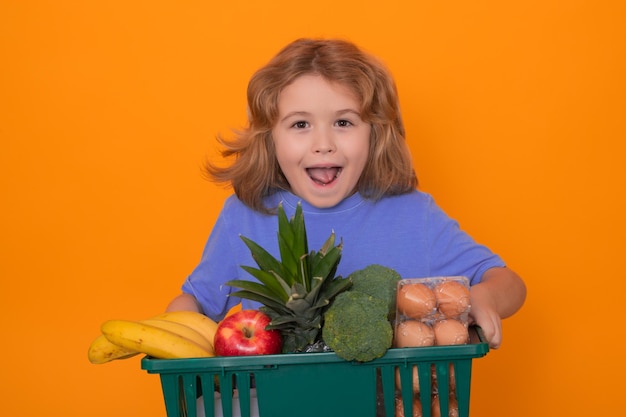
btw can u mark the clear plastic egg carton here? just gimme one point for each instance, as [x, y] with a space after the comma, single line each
[432, 311]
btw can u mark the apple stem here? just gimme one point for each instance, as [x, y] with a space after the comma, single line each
[247, 332]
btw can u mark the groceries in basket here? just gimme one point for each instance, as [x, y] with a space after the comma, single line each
[354, 322]
[176, 334]
[432, 311]
[305, 308]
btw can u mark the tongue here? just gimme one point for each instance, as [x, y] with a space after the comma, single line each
[323, 175]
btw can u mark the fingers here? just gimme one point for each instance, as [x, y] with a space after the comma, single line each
[491, 326]
[494, 334]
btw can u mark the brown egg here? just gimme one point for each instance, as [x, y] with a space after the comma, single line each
[453, 298]
[416, 300]
[450, 332]
[413, 333]
[415, 380]
[453, 407]
[451, 378]
[417, 407]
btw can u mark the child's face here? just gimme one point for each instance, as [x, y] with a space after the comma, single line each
[321, 142]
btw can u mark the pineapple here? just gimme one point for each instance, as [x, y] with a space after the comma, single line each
[297, 290]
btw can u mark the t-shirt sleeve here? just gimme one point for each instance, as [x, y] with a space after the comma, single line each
[454, 252]
[217, 266]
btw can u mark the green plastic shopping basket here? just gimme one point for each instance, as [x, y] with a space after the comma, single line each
[284, 384]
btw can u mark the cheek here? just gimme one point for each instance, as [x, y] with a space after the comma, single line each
[288, 162]
[280, 152]
[289, 151]
[358, 152]
[359, 143]
[285, 156]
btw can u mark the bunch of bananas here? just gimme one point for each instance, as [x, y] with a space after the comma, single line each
[175, 334]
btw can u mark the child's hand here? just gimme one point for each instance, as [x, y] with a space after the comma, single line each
[485, 315]
[500, 293]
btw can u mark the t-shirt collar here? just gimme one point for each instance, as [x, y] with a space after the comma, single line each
[292, 200]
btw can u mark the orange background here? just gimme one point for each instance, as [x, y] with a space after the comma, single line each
[515, 113]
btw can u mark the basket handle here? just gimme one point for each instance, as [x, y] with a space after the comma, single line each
[479, 333]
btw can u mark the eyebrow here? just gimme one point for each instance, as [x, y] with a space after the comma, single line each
[305, 113]
[295, 113]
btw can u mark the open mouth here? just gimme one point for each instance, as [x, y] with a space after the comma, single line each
[324, 176]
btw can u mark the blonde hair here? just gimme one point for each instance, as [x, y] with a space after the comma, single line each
[254, 173]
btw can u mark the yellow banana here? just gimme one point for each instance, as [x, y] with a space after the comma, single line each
[197, 321]
[102, 351]
[183, 330]
[151, 340]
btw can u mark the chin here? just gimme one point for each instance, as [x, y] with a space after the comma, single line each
[324, 202]
[323, 197]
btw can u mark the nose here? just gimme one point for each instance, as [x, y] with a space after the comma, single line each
[323, 142]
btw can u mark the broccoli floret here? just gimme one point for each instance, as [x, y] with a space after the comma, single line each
[378, 281]
[356, 327]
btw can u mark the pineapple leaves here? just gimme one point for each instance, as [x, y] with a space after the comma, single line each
[292, 243]
[295, 291]
[335, 287]
[270, 282]
[263, 258]
[286, 246]
[269, 302]
[329, 244]
[325, 265]
[254, 287]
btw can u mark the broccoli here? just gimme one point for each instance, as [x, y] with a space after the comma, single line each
[356, 327]
[378, 281]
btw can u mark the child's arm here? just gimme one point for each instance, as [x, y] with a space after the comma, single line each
[185, 302]
[499, 295]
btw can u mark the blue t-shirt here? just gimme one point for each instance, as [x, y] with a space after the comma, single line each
[408, 233]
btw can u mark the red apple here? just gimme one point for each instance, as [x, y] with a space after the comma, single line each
[244, 333]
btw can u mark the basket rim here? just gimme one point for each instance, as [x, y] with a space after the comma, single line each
[478, 347]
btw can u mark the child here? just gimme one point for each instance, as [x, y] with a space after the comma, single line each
[325, 130]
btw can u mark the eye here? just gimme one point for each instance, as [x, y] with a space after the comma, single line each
[300, 124]
[343, 123]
